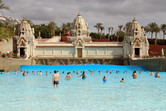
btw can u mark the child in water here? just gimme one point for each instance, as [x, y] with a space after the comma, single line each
[104, 79]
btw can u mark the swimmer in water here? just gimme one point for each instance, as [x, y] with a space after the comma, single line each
[27, 73]
[15, 72]
[21, 72]
[33, 72]
[110, 72]
[91, 72]
[100, 72]
[68, 76]
[24, 73]
[157, 75]
[152, 73]
[40, 73]
[122, 80]
[140, 72]
[37, 72]
[77, 72]
[107, 71]
[83, 76]
[46, 73]
[104, 79]
[7, 72]
[125, 72]
[134, 75]
[73, 71]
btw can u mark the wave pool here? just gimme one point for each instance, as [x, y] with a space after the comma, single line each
[36, 93]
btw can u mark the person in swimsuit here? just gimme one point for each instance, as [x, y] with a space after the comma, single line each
[68, 76]
[152, 73]
[91, 72]
[83, 76]
[55, 79]
[24, 73]
[157, 75]
[122, 80]
[77, 72]
[134, 75]
[104, 79]
[100, 72]
[46, 73]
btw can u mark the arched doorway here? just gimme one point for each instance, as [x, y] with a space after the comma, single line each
[137, 52]
[79, 52]
[22, 52]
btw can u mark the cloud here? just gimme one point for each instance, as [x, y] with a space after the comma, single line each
[108, 12]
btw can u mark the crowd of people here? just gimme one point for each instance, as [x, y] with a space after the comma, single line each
[55, 77]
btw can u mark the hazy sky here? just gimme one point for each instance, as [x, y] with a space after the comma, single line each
[108, 12]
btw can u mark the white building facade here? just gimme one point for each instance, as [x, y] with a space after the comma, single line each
[79, 43]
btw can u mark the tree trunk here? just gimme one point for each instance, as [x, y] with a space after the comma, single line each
[108, 34]
[163, 35]
[98, 30]
[155, 38]
[151, 35]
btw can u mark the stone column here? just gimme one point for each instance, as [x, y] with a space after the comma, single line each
[18, 54]
[75, 54]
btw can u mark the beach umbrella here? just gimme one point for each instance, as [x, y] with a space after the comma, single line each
[162, 52]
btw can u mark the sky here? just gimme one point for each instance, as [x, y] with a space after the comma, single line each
[110, 13]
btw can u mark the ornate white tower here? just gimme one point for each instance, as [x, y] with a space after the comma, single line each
[25, 39]
[79, 30]
[135, 43]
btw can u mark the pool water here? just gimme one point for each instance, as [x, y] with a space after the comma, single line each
[36, 93]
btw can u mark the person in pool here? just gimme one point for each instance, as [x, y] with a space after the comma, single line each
[55, 79]
[122, 80]
[134, 75]
[104, 79]
[152, 73]
[83, 76]
[68, 76]
[46, 73]
[157, 75]
[91, 72]
[24, 73]
[77, 72]
[100, 72]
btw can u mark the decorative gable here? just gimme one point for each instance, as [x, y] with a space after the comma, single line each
[137, 42]
[22, 41]
[79, 43]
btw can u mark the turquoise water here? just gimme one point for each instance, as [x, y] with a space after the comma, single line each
[36, 93]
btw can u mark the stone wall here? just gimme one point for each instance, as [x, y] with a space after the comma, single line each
[102, 52]
[6, 45]
[10, 64]
[55, 51]
[158, 64]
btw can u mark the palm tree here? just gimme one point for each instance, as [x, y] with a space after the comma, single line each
[152, 27]
[120, 27]
[101, 28]
[127, 25]
[156, 30]
[146, 29]
[98, 25]
[2, 6]
[109, 30]
[163, 29]
[52, 26]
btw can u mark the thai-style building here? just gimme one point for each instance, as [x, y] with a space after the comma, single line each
[79, 43]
